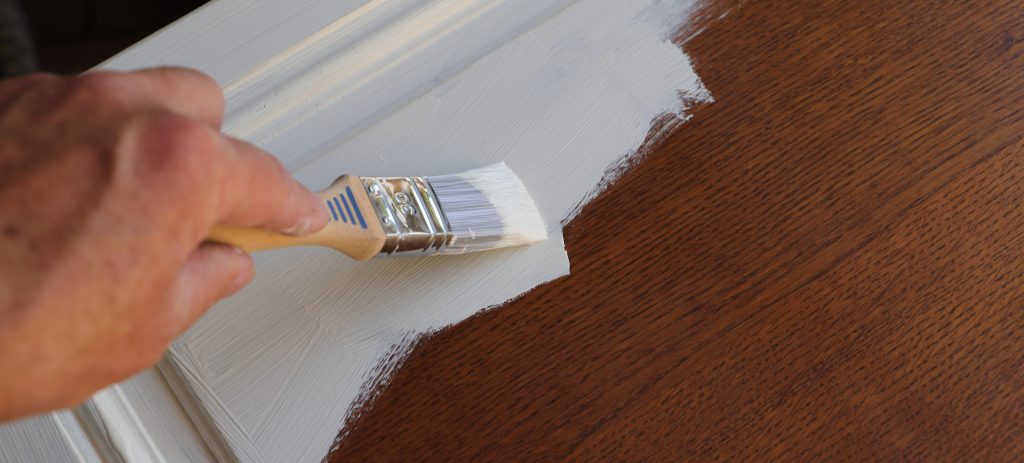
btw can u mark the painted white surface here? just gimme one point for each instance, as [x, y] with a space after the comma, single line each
[228, 38]
[136, 421]
[560, 90]
[56, 437]
[280, 365]
[142, 421]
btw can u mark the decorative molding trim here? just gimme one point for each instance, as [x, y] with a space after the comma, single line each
[367, 64]
[175, 377]
[117, 431]
[86, 449]
[56, 436]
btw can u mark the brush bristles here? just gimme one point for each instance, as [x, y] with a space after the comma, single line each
[487, 208]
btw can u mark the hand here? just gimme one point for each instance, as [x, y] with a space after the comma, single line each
[109, 183]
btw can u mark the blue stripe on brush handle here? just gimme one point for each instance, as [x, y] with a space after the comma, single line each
[340, 210]
[359, 214]
[333, 213]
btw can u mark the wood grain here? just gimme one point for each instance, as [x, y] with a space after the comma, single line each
[825, 264]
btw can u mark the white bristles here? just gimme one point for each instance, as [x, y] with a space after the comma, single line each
[487, 208]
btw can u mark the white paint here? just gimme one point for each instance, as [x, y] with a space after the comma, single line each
[110, 410]
[53, 436]
[155, 411]
[140, 421]
[228, 38]
[488, 208]
[136, 421]
[280, 365]
[370, 59]
[560, 90]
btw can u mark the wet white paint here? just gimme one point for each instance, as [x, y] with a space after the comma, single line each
[560, 90]
[48, 437]
[281, 365]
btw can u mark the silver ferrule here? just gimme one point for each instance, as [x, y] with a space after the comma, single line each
[410, 213]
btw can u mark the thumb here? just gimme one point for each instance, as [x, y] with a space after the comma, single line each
[212, 272]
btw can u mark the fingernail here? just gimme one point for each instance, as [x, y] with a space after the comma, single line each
[300, 228]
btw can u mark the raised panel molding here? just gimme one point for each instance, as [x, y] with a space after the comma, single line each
[348, 73]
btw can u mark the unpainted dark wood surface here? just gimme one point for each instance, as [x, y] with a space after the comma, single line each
[823, 265]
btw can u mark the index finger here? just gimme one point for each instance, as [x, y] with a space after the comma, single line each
[182, 91]
[257, 191]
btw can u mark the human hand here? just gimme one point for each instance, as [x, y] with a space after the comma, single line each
[109, 183]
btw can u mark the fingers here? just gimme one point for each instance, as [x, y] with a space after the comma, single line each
[257, 191]
[181, 91]
[177, 138]
[211, 273]
[187, 92]
[15, 86]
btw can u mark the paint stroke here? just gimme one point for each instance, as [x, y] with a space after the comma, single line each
[54, 436]
[279, 366]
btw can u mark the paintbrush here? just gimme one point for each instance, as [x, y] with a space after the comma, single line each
[478, 210]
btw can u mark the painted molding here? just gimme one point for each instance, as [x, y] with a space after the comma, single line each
[111, 417]
[380, 55]
[57, 436]
[138, 420]
[560, 90]
[379, 58]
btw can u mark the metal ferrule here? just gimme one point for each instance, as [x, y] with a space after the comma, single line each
[410, 213]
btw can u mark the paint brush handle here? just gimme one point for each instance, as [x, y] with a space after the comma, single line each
[353, 229]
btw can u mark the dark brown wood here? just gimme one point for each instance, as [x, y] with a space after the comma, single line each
[823, 265]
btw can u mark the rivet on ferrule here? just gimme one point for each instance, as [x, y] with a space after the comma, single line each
[410, 214]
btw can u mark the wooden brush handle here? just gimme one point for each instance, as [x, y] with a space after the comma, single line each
[353, 229]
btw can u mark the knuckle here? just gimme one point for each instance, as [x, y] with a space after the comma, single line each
[35, 92]
[199, 77]
[99, 84]
[204, 87]
[175, 145]
[36, 79]
[86, 96]
[202, 79]
[98, 88]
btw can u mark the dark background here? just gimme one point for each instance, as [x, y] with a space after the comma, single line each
[72, 36]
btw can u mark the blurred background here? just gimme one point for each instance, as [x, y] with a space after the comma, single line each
[71, 36]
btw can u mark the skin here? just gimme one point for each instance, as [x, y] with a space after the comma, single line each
[109, 183]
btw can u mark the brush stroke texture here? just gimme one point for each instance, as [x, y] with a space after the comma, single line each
[47, 437]
[560, 90]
